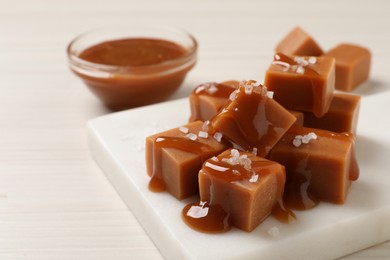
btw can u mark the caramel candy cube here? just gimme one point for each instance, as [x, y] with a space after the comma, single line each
[341, 117]
[174, 158]
[352, 65]
[207, 99]
[299, 116]
[302, 83]
[246, 186]
[320, 165]
[253, 121]
[298, 42]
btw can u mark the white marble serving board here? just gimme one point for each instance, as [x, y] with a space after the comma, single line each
[327, 231]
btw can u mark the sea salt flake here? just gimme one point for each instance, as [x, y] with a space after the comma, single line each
[233, 95]
[214, 158]
[300, 70]
[297, 142]
[199, 89]
[298, 59]
[312, 60]
[218, 136]
[183, 129]
[198, 211]
[254, 150]
[312, 135]
[234, 153]
[192, 136]
[236, 172]
[203, 134]
[273, 231]
[248, 89]
[254, 178]
[160, 139]
[270, 94]
[212, 89]
[205, 126]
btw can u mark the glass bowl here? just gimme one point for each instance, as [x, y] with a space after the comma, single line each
[121, 87]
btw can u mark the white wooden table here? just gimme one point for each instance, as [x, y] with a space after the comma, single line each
[55, 203]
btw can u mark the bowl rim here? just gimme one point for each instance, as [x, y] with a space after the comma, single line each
[189, 57]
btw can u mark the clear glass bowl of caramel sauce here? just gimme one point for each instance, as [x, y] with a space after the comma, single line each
[128, 67]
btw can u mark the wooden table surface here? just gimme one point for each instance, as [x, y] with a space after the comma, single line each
[55, 203]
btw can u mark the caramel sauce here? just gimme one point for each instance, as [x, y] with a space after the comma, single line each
[157, 183]
[131, 72]
[216, 220]
[297, 193]
[282, 213]
[212, 89]
[133, 52]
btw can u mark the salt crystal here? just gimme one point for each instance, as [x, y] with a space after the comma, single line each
[198, 211]
[192, 136]
[297, 142]
[270, 94]
[199, 89]
[312, 60]
[236, 109]
[212, 89]
[160, 139]
[254, 178]
[312, 135]
[215, 159]
[205, 126]
[254, 151]
[236, 172]
[183, 129]
[277, 57]
[274, 231]
[203, 134]
[300, 70]
[298, 60]
[233, 95]
[248, 89]
[218, 136]
[264, 91]
[246, 162]
[234, 153]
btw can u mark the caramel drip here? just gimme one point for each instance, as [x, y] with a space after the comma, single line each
[282, 213]
[297, 192]
[157, 183]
